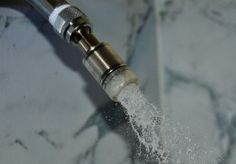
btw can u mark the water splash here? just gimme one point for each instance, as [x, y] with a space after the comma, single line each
[163, 141]
[145, 120]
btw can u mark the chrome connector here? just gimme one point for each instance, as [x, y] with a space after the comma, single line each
[106, 66]
[67, 19]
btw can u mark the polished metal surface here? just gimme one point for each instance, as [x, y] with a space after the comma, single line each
[102, 62]
[100, 59]
[106, 66]
[68, 21]
[45, 7]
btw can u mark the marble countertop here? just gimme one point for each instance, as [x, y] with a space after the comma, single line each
[51, 109]
[53, 112]
[198, 43]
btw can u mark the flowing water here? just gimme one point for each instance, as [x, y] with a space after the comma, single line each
[145, 120]
[165, 142]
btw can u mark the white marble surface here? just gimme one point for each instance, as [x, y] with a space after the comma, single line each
[198, 44]
[51, 110]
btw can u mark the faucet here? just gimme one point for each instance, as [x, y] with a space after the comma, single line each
[73, 26]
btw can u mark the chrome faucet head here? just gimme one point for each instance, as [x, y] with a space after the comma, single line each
[71, 24]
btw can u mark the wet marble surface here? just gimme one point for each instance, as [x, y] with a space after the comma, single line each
[51, 109]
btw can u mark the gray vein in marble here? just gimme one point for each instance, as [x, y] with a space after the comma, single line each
[111, 117]
[5, 22]
[137, 27]
[214, 11]
[88, 155]
[217, 16]
[94, 120]
[44, 134]
[20, 143]
[105, 119]
[171, 10]
[226, 127]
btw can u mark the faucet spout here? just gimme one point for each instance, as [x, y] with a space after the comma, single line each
[72, 25]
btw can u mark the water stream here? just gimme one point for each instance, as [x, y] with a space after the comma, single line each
[165, 142]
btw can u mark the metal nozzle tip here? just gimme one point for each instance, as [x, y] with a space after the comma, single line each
[118, 80]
